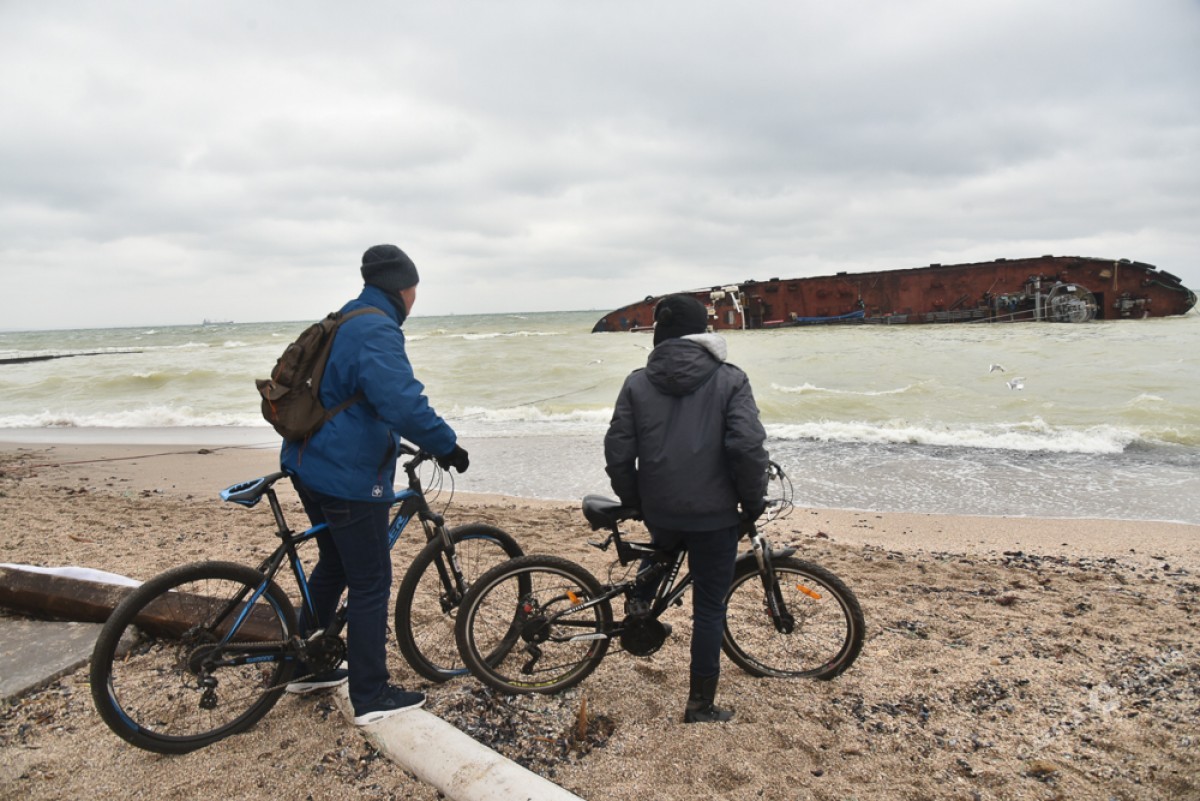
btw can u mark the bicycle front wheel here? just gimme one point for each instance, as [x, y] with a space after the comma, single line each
[430, 594]
[534, 624]
[170, 671]
[819, 635]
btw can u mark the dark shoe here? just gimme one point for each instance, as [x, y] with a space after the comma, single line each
[392, 701]
[321, 681]
[700, 706]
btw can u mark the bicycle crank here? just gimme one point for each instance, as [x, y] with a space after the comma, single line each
[324, 653]
[642, 637]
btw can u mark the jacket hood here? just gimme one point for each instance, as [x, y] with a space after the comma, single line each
[679, 365]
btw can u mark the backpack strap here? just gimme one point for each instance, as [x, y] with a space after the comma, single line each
[319, 373]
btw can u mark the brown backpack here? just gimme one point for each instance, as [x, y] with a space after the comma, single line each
[291, 397]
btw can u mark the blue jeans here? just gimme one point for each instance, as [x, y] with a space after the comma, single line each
[711, 556]
[353, 556]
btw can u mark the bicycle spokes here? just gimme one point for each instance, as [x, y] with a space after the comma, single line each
[170, 673]
[816, 626]
[535, 624]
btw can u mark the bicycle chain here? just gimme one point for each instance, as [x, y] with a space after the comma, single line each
[274, 644]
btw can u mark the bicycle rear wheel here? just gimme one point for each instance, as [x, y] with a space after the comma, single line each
[527, 625]
[429, 597]
[166, 674]
[826, 630]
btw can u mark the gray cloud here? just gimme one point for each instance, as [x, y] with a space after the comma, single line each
[170, 162]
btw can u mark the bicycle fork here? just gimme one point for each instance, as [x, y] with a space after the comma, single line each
[783, 620]
[452, 577]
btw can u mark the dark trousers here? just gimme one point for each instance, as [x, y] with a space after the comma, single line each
[354, 556]
[711, 556]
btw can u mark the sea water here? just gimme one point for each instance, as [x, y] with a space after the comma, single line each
[1033, 419]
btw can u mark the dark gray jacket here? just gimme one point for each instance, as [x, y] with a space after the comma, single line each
[685, 444]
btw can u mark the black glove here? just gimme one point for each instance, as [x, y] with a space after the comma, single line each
[456, 458]
[752, 513]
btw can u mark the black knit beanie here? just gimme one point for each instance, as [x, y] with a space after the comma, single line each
[678, 316]
[389, 268]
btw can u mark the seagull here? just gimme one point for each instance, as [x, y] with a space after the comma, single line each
[993, 368]
[1016, 383]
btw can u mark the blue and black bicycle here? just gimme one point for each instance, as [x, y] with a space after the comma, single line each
[204, 650]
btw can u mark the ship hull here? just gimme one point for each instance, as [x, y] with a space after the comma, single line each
[1047, 288]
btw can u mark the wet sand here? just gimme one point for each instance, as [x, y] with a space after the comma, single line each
[1005, 658]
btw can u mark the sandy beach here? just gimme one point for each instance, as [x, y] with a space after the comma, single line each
[1005, 658]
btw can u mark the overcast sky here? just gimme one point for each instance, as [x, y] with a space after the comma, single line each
[164, 162]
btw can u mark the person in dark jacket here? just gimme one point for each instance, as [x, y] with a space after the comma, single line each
[344, 474]
[685, 447]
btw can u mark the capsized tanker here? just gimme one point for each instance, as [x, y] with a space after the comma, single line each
[1065, 289]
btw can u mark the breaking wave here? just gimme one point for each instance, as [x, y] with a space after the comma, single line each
[501, 335]
[146, 417]
[531, 414]
[804, 389]
[1030, 437]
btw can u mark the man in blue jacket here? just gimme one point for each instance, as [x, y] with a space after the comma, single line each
[344, 475]
[685, 446]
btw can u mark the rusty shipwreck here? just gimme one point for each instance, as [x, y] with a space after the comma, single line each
[1048, 289]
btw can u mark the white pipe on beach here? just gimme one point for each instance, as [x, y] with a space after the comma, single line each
[444, 757]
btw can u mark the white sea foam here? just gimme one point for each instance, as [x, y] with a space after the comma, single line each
[532, 414]
[807, 388]
[1033, 436]
[501, 334]
[145, 417]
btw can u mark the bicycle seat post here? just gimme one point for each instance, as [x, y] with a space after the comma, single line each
[277, 510]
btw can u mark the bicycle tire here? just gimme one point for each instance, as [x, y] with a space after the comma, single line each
[426, 607]
[144, 665]
[505, 638]
[829, 624]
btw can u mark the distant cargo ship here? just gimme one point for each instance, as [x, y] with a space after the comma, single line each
[1070, 289]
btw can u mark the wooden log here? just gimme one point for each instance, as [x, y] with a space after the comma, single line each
[49, 596]
[45, 595]
[171, 616]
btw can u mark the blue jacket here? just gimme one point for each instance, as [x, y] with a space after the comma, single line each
[353, 456]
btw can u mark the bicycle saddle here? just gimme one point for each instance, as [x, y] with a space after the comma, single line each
[604, 512]
[249, 493]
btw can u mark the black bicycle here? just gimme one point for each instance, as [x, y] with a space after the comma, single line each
[543, 623]
[204, 650]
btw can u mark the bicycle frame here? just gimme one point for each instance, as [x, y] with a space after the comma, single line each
[543, 623]
[672, 586]
[411, 502]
